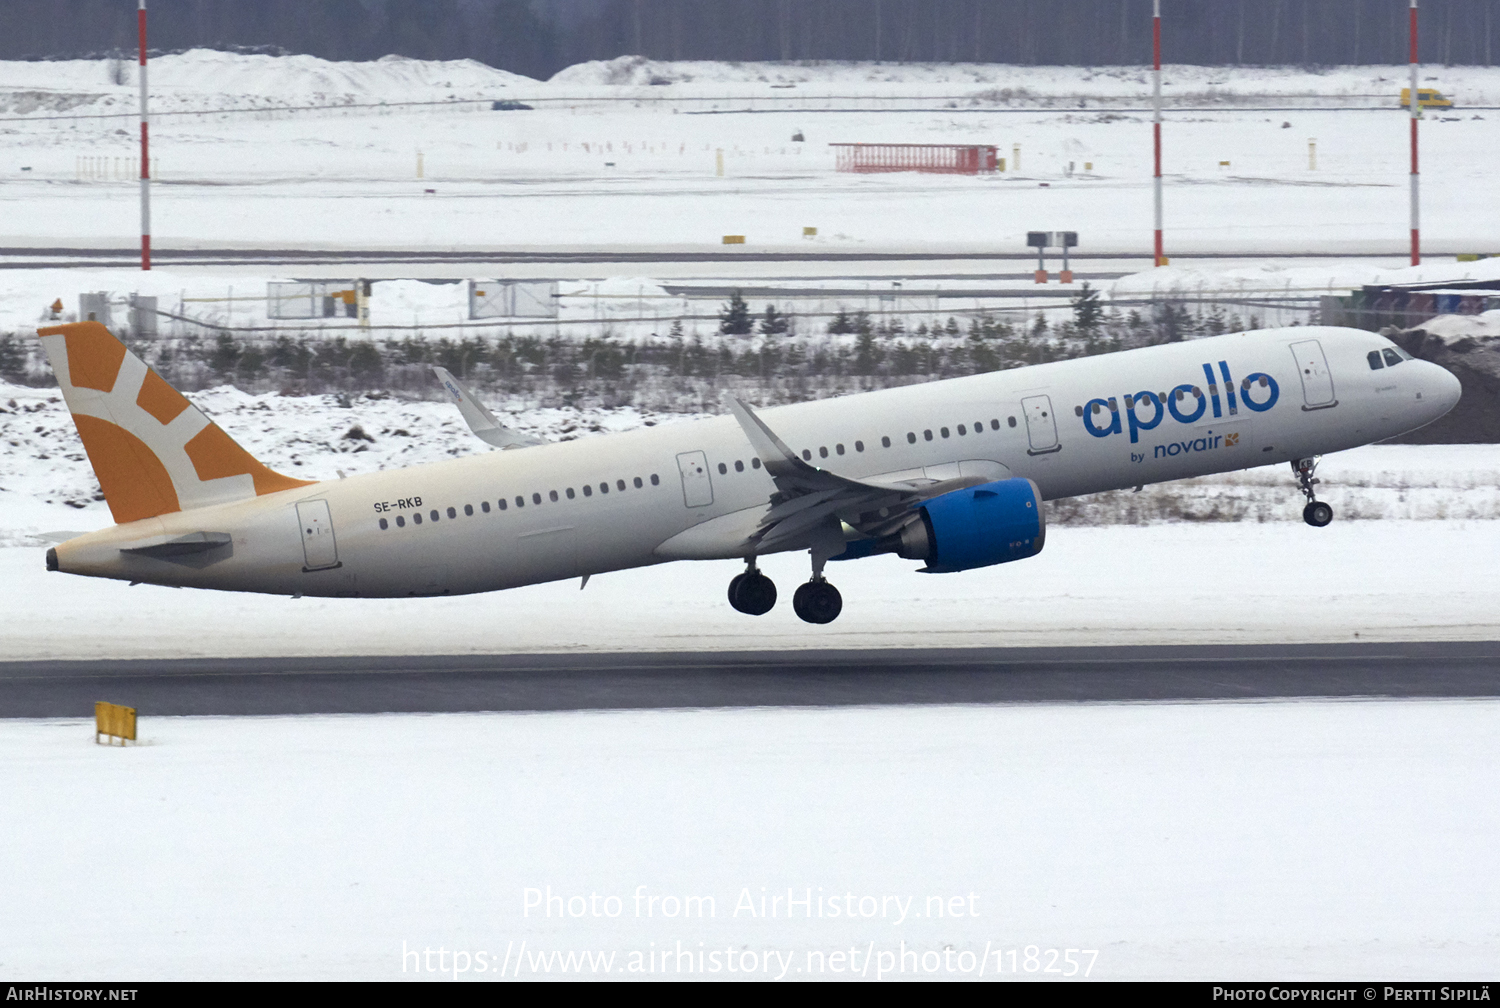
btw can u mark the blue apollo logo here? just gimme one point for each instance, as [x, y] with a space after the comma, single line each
[1187, 404]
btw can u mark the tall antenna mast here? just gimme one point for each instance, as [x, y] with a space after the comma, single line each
[1161, 258]
[1416, 111]
[140, 14]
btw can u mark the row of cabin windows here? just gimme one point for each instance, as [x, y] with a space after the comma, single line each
[885, 442]
[520, 501]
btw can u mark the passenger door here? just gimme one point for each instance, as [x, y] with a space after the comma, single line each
[1317, 380]
[318, 546]
[1041, 425]
[697, 487]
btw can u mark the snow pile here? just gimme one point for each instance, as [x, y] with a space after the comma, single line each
[1337, 277]
[209, 79]
[1455, 329]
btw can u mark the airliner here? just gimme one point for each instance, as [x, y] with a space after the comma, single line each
[952, 473]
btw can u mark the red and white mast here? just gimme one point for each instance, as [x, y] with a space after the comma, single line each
[1155, 119]
[1416, 111]
[140, 15]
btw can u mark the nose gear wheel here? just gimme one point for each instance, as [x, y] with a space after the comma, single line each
[1316, 513]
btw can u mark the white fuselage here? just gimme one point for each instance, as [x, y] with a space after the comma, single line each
[679, 504]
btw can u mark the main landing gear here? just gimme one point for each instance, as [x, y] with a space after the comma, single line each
[1316, 513]
[818, 601]
[752, 592]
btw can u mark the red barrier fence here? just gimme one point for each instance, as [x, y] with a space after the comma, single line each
[944, 159]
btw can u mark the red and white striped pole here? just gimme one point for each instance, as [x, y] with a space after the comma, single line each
[1161, 258]
[1416, 110]
[140, 15]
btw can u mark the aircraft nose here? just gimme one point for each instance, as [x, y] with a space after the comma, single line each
[1441, 388]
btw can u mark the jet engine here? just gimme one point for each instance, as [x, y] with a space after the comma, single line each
[977, 526]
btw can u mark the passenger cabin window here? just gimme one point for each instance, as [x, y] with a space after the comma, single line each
[620, 484]
[885, 442]
[755, 462]
[1391, 357]
[536, 498]
[823, 452]
[927, 435]
[911, 438]
[655, 480]
[943, 431]
[995, 424]
[400, 522]
[739, 466]
[962, 430]
[501, 503]
[807, 454]
[604, 487]
[552, 495]
[453, 512]
[416, 519]
[588, 491]
[839, 449]
[384, 524]
[485, 506]
[859, 446]
[570, 493]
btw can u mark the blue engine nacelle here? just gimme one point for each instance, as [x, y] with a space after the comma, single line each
[978, 526]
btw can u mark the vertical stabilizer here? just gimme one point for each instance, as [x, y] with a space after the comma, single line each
[153, 451]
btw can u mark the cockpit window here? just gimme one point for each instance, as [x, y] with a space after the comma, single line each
[1374, 358]
[1391, 357]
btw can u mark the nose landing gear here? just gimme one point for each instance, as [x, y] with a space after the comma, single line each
[1316, 513]
[752, 592]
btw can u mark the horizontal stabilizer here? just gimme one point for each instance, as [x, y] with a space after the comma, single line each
[193, 542]
[479, 418]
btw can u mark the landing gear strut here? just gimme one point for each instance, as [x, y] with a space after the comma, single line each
[1316, 513]
[752, 592]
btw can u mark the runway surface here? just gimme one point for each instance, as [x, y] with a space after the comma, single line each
[626, 681]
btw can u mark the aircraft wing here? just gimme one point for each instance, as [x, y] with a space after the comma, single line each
[807, 497]
[480, 420]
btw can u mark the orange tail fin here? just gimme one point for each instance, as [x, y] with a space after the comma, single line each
[153, 451]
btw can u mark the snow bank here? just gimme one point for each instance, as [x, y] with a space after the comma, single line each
[207, 78]
[1336, 277]
[1266, 841]
[1467, 85]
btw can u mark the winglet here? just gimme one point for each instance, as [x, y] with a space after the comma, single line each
[779, 460]
[480, 420]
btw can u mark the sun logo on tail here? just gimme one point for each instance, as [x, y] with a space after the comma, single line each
[153, 451]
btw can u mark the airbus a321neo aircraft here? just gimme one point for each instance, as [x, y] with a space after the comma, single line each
[952, 473]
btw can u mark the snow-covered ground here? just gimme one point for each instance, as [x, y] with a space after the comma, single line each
[1201, 583]
[1277, 841]
[642, 173]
